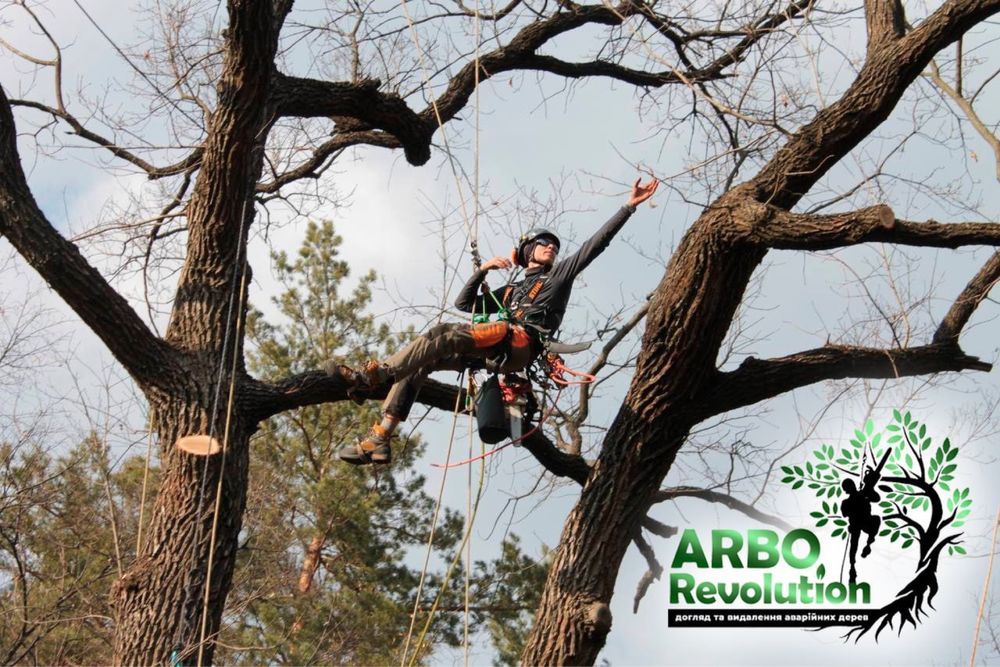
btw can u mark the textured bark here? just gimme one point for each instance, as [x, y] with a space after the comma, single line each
[676, 381]
[159, 599]
[186, 375]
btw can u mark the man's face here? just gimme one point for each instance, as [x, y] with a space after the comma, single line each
[545, 252]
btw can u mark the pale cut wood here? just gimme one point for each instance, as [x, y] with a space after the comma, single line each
[198, 445]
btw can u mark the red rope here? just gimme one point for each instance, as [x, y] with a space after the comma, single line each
[558, 372]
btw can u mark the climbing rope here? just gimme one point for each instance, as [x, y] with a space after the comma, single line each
[145, 479]
[222, 467]
[472, 234]
[470, 521]
[430, 537]
[238, 283]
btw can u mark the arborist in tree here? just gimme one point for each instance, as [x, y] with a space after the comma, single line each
[534, 308]
[857, 509]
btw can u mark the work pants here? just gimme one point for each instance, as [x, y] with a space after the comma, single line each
[448, 347]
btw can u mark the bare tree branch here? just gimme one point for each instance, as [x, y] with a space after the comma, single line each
[60, 263]
[779, 229]
[712, 496]
[652, 574]
[965, 305]
[759, 379]
[886, 74]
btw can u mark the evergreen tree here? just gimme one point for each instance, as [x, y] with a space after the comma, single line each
[323, 576]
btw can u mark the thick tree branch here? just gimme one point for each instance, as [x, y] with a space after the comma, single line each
[310, 98]
[780, 229]
[729, 501]
[965, 305]
[389, 113]
[263, 399]
[555, 460]
[885, 20]
[888, 71]
[146, 358]
[756, 380]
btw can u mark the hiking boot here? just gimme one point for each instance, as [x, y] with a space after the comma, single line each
[373, 448]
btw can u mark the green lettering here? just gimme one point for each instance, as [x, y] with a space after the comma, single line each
[788, 553]
[681, 585]
[762, 548]
[689, 550]
[706, 592]
[731, 550]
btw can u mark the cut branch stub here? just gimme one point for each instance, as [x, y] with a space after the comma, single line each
[198, 445]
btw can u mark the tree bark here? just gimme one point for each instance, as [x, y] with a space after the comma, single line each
[159, 600]
[689, 313]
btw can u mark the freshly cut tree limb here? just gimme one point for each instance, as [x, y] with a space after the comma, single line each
[965, 305]
[759, 379]
[146, 358]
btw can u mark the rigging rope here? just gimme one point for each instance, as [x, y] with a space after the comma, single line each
[222, 468]
[430, 537]
[238, 279]
[145, 479]
[472, 234]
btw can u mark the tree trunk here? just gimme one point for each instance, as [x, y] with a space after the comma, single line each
[160, 599]
[689, 316]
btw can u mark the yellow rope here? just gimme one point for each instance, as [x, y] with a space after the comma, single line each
[986, 588]
[451, 568]
[430, 537]
[222, 465]
[472, 232]
[145, 479]
[437, 116]
[475, 219]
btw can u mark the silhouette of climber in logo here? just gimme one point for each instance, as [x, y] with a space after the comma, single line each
[857, 509]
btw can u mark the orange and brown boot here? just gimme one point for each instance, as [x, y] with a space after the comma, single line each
[373, 448]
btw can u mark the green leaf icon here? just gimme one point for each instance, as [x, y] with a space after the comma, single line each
[820, 571]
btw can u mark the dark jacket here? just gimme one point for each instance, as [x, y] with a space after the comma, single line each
[546, 310]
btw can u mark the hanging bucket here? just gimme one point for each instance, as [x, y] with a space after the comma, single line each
[490, 415]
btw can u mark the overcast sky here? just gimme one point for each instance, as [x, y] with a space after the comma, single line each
[582, 145]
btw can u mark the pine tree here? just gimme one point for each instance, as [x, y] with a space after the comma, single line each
[323, 575]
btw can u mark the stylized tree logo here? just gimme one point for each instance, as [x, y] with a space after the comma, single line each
[889, 484]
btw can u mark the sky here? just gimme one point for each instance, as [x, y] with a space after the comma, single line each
[580, 147]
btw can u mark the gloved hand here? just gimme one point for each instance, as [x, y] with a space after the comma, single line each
[498, 262]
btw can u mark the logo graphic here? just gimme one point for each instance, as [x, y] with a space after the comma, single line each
[893, 490]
